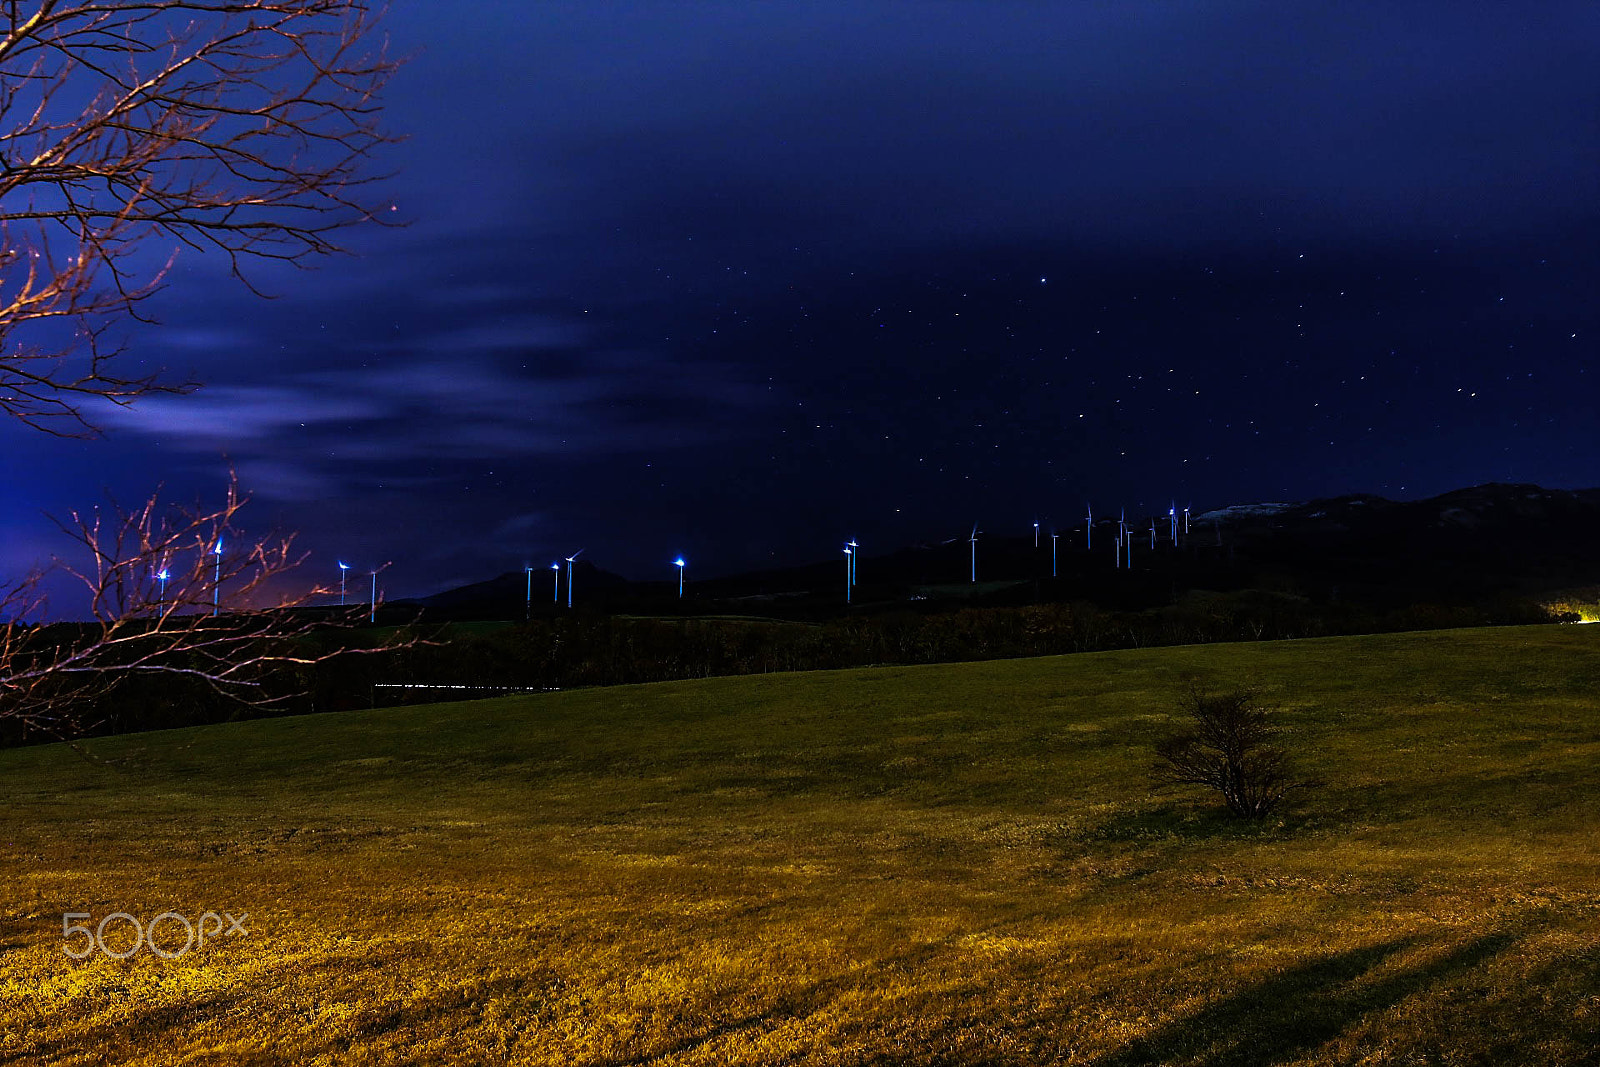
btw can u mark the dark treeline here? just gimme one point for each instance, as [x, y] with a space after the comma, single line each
[590, 650]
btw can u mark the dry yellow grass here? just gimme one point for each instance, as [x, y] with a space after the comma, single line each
[947, 864]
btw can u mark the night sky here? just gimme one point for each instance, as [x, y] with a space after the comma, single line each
[742, 281]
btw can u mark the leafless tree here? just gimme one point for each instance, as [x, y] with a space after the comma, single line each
[131, 129]
[1231, 749]
[175, 592]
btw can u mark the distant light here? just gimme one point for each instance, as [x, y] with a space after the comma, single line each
[555, 566]
[163, 575]
[679, 562]
[1042, 281]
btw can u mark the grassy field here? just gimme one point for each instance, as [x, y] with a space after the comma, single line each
[946, 864]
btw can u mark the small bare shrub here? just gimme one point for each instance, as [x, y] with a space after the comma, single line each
[1230, 749]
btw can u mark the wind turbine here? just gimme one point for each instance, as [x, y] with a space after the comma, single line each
[855, 556]
[1036, 535]
[557, 568]
[1172, 517]
[849, 571]
[570, 558]
[1152, 533]
[974, 540]
[1088, 529]
[216, 582]
[527, 603]
[161, 576]
[1053, 537]
[680, 564]
[1186, 520]
[343, 570]
[372, 605]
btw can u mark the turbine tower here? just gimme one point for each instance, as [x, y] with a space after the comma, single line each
[849, 571]
[1036, 534]
[556, 566]
[855, 557]
[372, 605]
[1053, 537]
[680, 564]
[974, 541]
[527, 603]
[570, 558]
[1088, 529]
[216, 582]
[344, 569]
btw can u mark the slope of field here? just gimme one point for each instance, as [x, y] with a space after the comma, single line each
[948, 864]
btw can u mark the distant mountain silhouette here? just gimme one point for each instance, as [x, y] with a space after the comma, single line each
[1466, 546]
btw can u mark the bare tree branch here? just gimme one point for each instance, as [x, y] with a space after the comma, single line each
[237, 127]
[177, 592]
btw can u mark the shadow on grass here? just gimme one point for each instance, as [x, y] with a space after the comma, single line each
[1553, 995]
[142, 1026]
[802, 1002]
[1271, 1022]
[147, 1025]
[1184, 822]
[1289, 1014]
